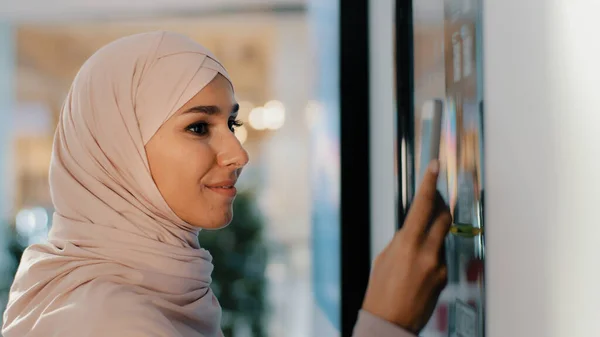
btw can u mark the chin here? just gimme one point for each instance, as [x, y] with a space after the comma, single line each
[217, 222]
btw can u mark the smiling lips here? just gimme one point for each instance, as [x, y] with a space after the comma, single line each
[226, 188]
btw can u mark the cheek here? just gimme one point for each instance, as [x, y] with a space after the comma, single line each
[179, 168]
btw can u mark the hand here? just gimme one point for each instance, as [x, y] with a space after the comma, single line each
[410, 273]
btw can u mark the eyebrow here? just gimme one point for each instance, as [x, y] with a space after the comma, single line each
[212, 109]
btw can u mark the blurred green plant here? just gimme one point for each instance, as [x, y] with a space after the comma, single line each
[240, 256]
[10, 255]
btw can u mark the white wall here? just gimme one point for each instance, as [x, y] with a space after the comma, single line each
[542, 69]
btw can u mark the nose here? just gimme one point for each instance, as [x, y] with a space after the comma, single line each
[231, 153]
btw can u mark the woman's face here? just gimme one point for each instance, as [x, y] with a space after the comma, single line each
[195, 158]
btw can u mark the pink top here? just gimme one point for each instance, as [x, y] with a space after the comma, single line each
[369, 325]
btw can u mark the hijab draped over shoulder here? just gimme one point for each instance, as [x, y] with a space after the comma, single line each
[118, 261]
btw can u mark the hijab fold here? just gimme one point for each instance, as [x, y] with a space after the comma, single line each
[118, 261]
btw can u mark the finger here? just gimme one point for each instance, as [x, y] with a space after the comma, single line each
[441, 281]
[438, 285]
[424, 203]
[442, 252]
[439, 207]
[439, 230]
[443, 277]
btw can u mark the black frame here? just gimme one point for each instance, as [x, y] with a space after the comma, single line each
[405, 103]
[354, 132]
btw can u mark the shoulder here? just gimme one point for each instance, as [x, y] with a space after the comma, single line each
[104, 308]
[94, 309]
[118, 310]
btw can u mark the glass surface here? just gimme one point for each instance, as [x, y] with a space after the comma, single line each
[324, 120]
[447, 66]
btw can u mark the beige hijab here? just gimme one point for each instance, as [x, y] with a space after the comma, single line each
[118, 261]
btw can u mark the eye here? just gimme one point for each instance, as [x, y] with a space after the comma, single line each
[234, 123]
[198, 128]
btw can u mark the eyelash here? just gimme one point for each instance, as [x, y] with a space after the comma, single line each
[233, 123]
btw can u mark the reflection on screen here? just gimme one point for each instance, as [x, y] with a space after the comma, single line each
[447, 63]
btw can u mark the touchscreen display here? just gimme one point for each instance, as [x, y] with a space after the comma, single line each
[448, 64]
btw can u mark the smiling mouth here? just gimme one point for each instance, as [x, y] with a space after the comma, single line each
[225, 190]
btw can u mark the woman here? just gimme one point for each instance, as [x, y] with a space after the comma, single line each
[144, 157]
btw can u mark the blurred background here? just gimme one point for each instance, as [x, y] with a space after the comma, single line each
[263, 259]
